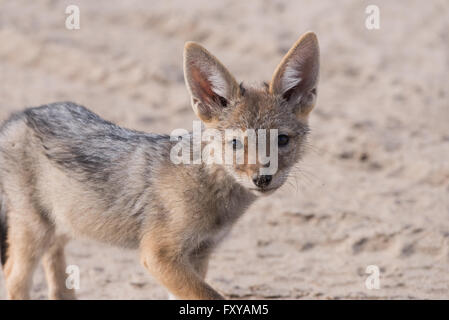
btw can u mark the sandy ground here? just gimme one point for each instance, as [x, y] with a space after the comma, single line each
[374, 187]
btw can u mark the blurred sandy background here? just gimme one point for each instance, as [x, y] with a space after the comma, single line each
[374, 188]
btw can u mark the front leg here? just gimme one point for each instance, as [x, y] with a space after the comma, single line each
[175, 271]
[200, 263]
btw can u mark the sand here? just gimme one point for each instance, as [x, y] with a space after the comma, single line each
[374, 186]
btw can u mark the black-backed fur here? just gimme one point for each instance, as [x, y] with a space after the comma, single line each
[78, 139]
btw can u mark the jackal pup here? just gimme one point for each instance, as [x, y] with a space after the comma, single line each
[66, 172]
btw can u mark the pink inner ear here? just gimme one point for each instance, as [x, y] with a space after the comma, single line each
[203, 87]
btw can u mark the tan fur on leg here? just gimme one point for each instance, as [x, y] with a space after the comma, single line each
[22, 261]
[200, 264]
[175, 273]
[55, 267]
[27, 240]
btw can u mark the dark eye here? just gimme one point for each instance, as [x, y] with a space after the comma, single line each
[236, 144]
[283, 140]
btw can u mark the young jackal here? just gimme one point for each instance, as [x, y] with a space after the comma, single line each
[65, 172]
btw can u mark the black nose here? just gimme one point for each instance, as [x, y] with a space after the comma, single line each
[262, 181]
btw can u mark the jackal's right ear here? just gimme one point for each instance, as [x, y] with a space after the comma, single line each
[296, 77]
[210, 84]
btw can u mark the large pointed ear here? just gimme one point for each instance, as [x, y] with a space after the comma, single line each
[210, 84]
[296, 77]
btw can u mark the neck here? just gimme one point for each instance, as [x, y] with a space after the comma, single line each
[226, 188]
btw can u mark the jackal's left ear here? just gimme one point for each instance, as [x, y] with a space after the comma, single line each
[296, 77]
[210, 84]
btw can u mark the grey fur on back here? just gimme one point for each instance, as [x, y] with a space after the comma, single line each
[93, 151]
[109, 163]
[78, 139]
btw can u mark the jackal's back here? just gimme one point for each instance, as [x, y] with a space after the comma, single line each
[86, 174]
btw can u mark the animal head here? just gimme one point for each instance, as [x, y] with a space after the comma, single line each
[283, 104]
